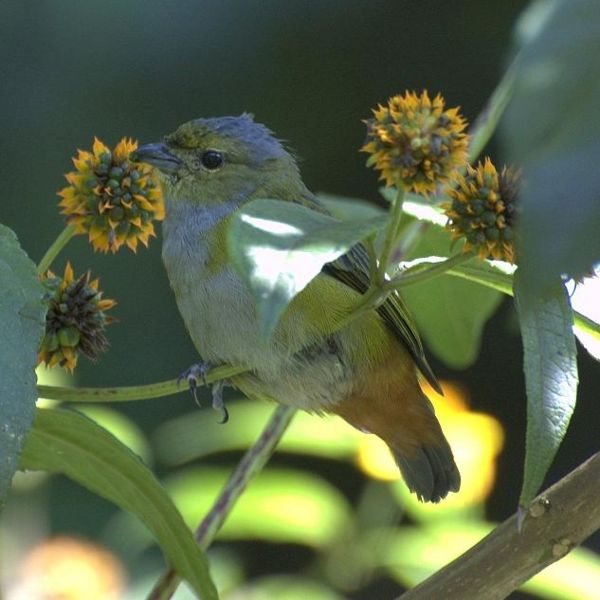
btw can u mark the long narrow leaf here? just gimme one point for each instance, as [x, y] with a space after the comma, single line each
[64, 441]
[550, 364]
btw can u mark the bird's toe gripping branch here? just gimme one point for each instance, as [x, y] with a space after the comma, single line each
[196, 374]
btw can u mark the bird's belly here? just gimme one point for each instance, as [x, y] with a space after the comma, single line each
[296, 367]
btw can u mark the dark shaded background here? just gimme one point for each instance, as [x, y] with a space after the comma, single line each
[310, 71]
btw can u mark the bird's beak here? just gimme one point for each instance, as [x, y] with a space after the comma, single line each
[159, 156]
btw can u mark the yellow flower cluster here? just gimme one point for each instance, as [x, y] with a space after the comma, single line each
[483, 210]
[111, 198]
[414, 141]
[75, 320]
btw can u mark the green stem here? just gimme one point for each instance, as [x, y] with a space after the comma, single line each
[425, 273]
[129, 393]
[377, 293]
[455, 266]
[253, 461]
[370, 246]
[486, 123]
[391, 233]
[502, 282]
[59, 243]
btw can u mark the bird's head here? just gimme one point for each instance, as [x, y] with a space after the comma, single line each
[223, 159]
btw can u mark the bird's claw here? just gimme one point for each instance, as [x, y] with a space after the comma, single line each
[197, 373]
[193, 375]
[217, 400]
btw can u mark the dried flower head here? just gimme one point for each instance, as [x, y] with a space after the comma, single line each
[75, 320]
[484, 210]
[111, 198]
[413, 140]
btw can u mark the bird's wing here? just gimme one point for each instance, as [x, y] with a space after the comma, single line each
[352, 269]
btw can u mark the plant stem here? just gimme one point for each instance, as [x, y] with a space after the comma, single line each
[370, 246]
[485, 125]
[391, 233]
[370, 300]
[430, 272]
[252, 462]
[502, 282]
[134, 392]
[59, 243]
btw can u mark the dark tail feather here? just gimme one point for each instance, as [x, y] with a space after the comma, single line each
[430, 473]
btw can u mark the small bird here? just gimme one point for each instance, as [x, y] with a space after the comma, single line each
[366, 372]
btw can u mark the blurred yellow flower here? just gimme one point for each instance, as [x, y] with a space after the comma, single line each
[66, 568]
[111, 198]
[476, 440]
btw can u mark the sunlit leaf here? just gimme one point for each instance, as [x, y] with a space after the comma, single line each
[66, 442]
[279, 505]
[574, 577]
[417, 206]
[22, 321]
[550, 364]
[450, 313]
[177, 441]
[279, 247]
[413, 554]
[123, 428]
[286, 587]
[349, 209]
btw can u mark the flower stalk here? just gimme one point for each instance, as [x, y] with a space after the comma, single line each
[54, 250]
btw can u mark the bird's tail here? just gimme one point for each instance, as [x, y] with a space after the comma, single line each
[406, 422]
[429, 471]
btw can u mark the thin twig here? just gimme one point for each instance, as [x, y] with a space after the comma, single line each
[556, 521]
[252, 462]
[487, 121]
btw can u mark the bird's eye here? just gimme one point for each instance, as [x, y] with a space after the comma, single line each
[212, 160]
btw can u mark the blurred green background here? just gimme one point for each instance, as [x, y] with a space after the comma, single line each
[311, 71]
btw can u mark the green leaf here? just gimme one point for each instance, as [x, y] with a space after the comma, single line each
[552, 130]
[412, 554]
[550, 364]
[280, 505]
[279, 247]
[22, 322]
[418, 206]
[177, 441]
[349, 209]
[498, 275]
[66, 442]
[287, 587]
[122, 427]
[450, 312]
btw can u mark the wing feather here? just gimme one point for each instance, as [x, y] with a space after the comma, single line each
[352, 269]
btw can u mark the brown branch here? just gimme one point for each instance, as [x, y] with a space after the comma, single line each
[557, 520]
[251, 464]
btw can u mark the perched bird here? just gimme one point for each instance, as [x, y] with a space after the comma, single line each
[366, 372]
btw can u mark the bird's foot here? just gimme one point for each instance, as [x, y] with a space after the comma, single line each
[217, 399]
[197, 374]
